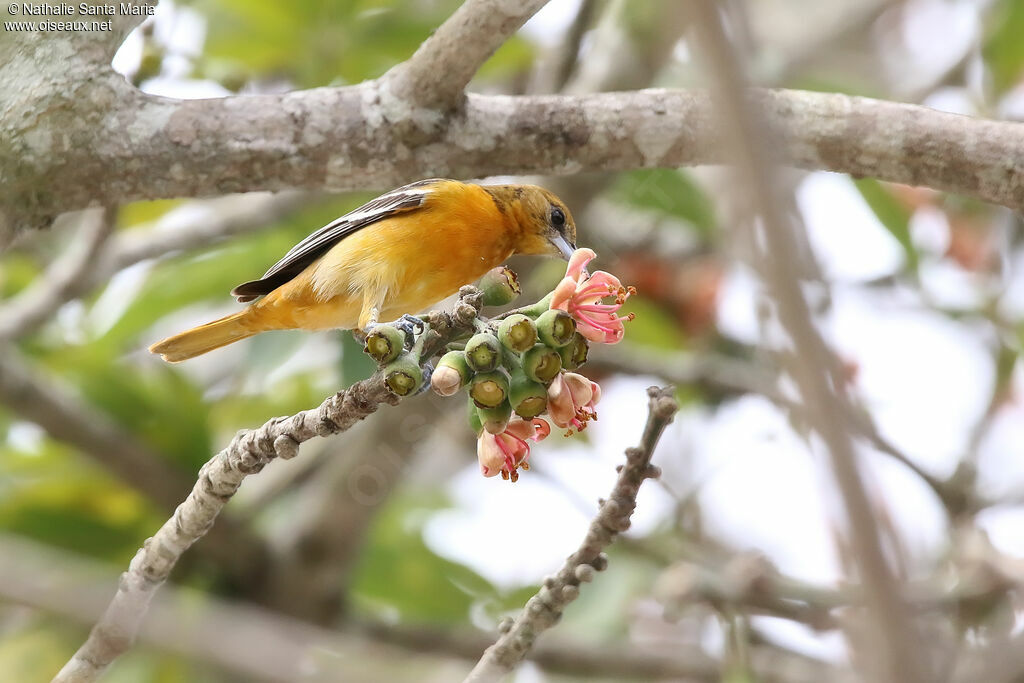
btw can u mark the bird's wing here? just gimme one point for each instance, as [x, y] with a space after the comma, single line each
[406, 198]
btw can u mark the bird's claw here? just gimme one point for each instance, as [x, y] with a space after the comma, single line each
[409, 324]
[428, 370]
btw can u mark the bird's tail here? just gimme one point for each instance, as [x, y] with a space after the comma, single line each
[212, 335]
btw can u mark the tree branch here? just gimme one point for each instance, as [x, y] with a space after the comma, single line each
[335, 139]
[779, 258]
[543, 610]
[436, 75]
[219, 479]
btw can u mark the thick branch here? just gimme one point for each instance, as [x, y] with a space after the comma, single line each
[436, 75]
[339, 139]
[543, 610]
[219, 479]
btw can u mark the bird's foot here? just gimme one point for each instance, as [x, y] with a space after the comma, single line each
[409, 324]
[428, 370]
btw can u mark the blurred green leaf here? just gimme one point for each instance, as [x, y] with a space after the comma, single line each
[314, 42]
[136, 213]
[397, 570]
[56, 497]
[669, 191]
[355, 365]
[1003, 49]
[36, 651]
[652, 326]
[597, 613]
[17, 271]
[893, 215]
[160, 407]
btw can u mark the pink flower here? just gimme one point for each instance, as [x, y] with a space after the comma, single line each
[571, 401]
[581, 296]
[508, 451]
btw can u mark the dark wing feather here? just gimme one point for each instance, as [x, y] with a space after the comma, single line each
[406, 198]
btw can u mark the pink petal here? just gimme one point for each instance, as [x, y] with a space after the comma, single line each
[611, 331]
[541, 429]
[517, 448]
[563, 294]
[519, 427]
[580, 388]
[489, 454]
[578, 262]
[604, 279]
[560, 407]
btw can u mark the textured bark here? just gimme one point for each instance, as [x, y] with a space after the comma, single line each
[435, 77]
[340, 139]
[74, 134]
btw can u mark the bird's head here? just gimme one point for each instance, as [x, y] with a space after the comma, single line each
[542, 220]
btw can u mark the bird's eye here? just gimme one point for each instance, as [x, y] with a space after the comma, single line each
[557, 217]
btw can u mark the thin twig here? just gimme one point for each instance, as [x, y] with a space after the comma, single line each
[219, 479]
[61, 280]
[213, 221]
[554, 71]
[543, 610]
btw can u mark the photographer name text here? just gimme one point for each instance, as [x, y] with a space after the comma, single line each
[85, 9]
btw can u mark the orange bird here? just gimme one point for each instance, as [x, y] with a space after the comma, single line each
[395, 255]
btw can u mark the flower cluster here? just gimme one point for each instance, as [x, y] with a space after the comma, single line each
[519, 366]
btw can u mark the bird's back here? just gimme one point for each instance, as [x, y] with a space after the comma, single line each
[408, 262]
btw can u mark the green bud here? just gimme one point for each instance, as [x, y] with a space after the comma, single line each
[489, 389]
[555, 328]
[494, 420]
[542, 364]
[403, 376]
[384, 343]
[527, 397]
[574, 354]
[483, 353]
[517, 332]
[475, 423]
[500, 286]
[451, 374]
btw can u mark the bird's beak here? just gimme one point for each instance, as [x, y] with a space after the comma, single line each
[565, 249]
